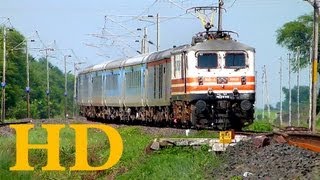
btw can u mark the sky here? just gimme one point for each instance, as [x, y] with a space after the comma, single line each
[102, 30]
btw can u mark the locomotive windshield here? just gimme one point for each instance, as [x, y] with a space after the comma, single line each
[235, 60]
[208, 60]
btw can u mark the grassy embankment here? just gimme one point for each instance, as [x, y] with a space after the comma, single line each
[171, 163]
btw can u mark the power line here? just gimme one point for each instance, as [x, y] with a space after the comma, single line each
[142, 13]
[124, 27]
[177, 5]
[41, 41]
[232, 4]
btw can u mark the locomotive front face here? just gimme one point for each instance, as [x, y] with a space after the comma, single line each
[217, 79]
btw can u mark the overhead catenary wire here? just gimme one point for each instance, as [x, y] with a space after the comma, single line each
[232, 4]
[124, 27]
[122, 41]
[177, 5]
[142, 13]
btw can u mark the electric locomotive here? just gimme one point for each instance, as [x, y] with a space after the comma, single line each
[208, 83]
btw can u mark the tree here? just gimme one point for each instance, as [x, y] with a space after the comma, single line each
[297, 34]
[16, 81]
[303, 97]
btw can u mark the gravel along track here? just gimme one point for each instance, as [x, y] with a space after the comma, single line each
[275, 161]
[6, 131]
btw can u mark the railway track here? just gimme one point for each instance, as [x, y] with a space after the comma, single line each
[296, 136]
[303, 140]
[15, 122]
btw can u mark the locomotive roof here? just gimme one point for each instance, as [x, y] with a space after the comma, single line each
[222, 45]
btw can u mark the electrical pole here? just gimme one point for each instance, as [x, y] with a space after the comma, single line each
[158, 32]
[28, 82]
[3, 84]
[48, 83]
[256, 82]
[314, 66]
[48, 86]
[144, 42]
[281, 121]
[220, 15]
[65, 85]
[263, 104]
[74, 90]
[75, 86]
[289, 68]
[266, 90]
[298, 84]
[310, 85]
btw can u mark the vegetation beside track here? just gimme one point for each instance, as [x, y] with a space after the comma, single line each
[16, 80]
[135, 163]
[260, 126]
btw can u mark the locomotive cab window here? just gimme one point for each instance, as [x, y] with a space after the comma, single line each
[235, 60]
[207, 60]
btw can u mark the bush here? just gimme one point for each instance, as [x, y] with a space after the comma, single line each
[261, 126]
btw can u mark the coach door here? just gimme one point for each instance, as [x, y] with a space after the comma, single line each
[179, 74]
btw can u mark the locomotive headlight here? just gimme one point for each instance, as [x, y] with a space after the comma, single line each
[200, 80]
[235, 92]
[245, 105]
[243, 80]
[210, 92]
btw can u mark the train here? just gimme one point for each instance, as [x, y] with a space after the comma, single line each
[209, 83]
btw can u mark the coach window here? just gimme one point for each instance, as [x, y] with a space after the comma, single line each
[235, 60]
[207, 60]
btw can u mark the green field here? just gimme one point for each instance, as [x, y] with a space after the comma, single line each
[135, 163]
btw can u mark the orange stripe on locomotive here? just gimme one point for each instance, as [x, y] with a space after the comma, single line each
[214, 88]
[211, 80]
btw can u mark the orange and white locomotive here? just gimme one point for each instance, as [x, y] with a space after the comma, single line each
[209, 83]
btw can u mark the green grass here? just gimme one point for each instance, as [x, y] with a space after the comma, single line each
[273, 115]
[260, 126]
[173, 163]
